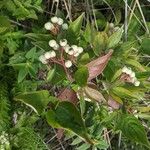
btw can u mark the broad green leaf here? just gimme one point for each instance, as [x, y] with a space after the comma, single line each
[22, 74]
[124, 93]
[89, 33]
[37, 100]
[31, 54]
[76, 25]
[85, 58]
[66, 116]
[100, 42]
[81, 76]
[132, 128]
[115, 38]
[74, 30]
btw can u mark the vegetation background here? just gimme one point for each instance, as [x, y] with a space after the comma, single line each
[33, 113]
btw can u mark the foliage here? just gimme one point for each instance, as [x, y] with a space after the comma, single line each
[85, 73]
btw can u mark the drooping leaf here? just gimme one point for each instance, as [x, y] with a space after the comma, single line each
[132, 128]
[81, 76]
[97, 66]
[37, 100]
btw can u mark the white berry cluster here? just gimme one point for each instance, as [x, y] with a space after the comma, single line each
[4, 142]
[45, 57]
[129, 72]
[71, 51]
[55, 22]
[112, 29]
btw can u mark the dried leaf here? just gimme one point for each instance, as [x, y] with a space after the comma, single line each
[97, 66]
[68, 95]
[93, 94]
[112, 103]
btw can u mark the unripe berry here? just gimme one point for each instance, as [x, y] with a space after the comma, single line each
[65, 26]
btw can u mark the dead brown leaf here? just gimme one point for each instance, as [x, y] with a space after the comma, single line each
[97, 66]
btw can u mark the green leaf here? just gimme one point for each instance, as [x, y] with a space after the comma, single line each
[89, 33]
[145, 46]
[102, 145]
[76, 141]
[76, 25]
[85, 58]
[132, 128]
[115, 38]
[81, 76]
[84, 146]
[66, 116]
[100, 42]
[50, 74]
[22, 74]
[136, 64]
[124, 93]
[37, 100]
[31, 54]
[4, 24]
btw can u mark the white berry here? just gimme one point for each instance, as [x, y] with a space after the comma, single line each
[71, 52]
[124, 69]
[132, 75]
[49, 26]
[63, 42]
[80, 49]
[111, 25]
[52, 43]
[65, 26]
[76, 54]
[66, 48]
[43, 59]
[53, 54]
[129, 72]
[75, 48]
[68, 64]
[137, 83]
[54, 19]
[60, 21]
[56, 47]
[47, 55]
